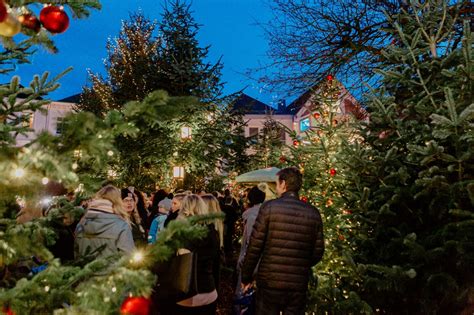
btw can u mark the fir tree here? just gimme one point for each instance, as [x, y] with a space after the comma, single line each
[184, 66]
[140, 62]
[268, 146]
[411, 177]
[318, 154]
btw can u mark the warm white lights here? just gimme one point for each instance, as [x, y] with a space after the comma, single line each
[178, 172]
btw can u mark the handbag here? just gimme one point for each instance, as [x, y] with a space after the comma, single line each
[179, 279]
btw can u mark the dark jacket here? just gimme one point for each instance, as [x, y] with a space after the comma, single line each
[287, 238]
[207, 251]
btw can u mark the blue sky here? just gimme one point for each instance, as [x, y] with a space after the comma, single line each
[227, 25]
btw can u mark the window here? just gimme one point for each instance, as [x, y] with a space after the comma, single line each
[185, 132]
[304, 124]
[59, 125]
[253, 132]
[282, 135]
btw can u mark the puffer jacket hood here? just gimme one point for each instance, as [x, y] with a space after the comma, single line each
[101, 224]
[99, 229]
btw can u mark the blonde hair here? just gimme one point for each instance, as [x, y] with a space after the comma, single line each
[193, 205]
[113, 194]
[214, 207]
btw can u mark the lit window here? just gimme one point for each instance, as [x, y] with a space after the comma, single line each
[178, 172]
[185, 132]
[304, 124]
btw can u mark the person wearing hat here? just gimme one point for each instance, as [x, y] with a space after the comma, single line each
[164, 207]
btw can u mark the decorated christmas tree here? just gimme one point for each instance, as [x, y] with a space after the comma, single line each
[410, 177]
[318, 154]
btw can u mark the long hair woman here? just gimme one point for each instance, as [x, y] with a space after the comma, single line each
[105, 229]
[129, 199]
[204, 300]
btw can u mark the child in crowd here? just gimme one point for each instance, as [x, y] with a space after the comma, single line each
[158, 222]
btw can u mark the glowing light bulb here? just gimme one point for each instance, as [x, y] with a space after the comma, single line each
[110, 153]
[137, 257]
[19, 172]
[45, 180]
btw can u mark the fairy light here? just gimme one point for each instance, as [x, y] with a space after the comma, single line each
[74, 166]
[45, 180]
[19, 173]
[110, 153]
[137, 257]
[46, 288]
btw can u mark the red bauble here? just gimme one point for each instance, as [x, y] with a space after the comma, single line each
[296, 143]
[282, 159]
[136, 305]
[341, 237]
[54, 19]
[383, 134]
[332, 172]
[329, 77]
[7, 311]
[316, 115]
[3, 11]
[304, 199]
[30, 21]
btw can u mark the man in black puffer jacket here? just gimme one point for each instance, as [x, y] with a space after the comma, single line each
[287, 240]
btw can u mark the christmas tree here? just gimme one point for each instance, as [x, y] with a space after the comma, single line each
[411, 177]
[32, 280]
[318, 153]
[199, 134]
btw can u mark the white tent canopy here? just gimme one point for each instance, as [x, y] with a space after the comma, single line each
[258, 176]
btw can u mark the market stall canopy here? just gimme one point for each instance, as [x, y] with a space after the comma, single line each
[258, 176]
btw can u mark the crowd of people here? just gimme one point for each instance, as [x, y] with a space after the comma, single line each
[280, 241]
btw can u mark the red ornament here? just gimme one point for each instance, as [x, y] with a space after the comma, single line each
[3, 11]
[332, 172]
[7, 311]
[282, 159]
[341, 237]
[383, 134]
[54, 19]
[329, 202]
[347, 211]
[296, 143]
[136, 305]
[316, 115]
[30, 22]
[304, 199]
[329, 77]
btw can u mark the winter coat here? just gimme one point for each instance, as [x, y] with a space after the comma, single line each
[249, 216]
[287, 238]
[100, 227]
[157, 225]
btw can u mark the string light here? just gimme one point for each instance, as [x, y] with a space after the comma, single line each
[45, 180]
[74, 166]
[19, 173]
[110, 153]
[137, 257]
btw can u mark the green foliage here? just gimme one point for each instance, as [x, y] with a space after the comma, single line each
[318, 154]
[140, 62]
[410, 174]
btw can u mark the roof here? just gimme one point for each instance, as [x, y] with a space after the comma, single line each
[296, 105]
[71, 99]
[249, 105]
